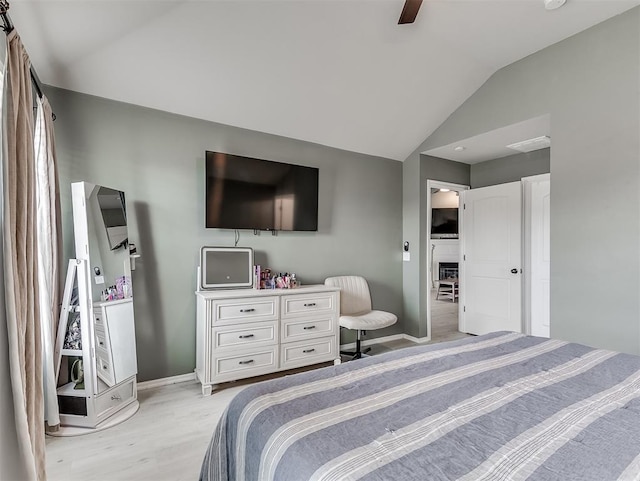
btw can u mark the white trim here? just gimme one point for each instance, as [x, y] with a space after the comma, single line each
[166, 381]
[527, 253]
[537, 178]
[436, 184]
[382, 340]
[417, 340]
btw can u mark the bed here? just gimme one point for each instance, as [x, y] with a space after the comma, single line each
[503, 406]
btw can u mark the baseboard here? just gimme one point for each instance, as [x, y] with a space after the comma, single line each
[418, 340]
[376, 340]
[166, 381]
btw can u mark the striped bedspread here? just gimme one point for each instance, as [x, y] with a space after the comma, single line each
[503, 406]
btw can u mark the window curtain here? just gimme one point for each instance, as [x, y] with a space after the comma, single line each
[48, 246]
[20, 260]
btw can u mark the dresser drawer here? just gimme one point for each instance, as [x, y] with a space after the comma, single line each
[294, 330]
[239, 366]
[114, 399]
[102, 340]
[97, 318]
[302, 353]
[250, 334]
[245, 309]
[104, 367]
[300, 305]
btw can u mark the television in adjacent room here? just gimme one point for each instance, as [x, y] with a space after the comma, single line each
[444, 223]
[248, 193]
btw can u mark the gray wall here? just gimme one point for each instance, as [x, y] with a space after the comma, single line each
[511, 168]
[589, 86]
[417, 169]
[490, 172]
[157, 159]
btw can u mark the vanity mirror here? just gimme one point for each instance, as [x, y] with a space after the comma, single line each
[97, 376]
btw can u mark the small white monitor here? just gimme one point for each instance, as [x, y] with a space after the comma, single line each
[226, 267]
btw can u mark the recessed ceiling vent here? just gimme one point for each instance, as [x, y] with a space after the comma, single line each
[531, 144]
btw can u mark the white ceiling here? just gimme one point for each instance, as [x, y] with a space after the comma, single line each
[340, 73]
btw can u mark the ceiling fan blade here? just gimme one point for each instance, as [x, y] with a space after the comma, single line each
[409, 11]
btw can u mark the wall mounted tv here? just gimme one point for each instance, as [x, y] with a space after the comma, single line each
[247, 193]
[444, 223]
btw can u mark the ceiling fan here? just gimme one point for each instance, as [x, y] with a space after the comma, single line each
[409, 11]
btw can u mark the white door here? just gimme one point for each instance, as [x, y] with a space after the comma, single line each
[540, 257]
[492, 278]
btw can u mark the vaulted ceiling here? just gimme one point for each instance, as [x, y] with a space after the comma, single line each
[341, 73]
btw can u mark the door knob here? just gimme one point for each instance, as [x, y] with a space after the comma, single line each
[514, 271]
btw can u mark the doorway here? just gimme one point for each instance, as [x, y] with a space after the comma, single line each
[444, 229]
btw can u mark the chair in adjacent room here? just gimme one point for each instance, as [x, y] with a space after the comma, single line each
[356, 312]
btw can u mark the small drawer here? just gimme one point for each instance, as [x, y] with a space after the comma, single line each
[104, 368]
[102, 341]
[297, 330]
[114, 399]
[298, 305]
[97, 318]
[244, 365]
[233, 310]
[302, 353]
[251, 334]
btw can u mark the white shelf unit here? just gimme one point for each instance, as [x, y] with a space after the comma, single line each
[107, 336]
[244, 332]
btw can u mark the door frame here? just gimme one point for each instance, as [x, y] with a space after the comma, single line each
[527, 251]
[436, 184]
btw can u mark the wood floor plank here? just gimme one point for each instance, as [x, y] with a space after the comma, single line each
[165, 440]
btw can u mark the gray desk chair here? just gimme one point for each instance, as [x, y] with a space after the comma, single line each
[355, 310]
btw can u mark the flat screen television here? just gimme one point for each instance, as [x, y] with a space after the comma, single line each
[247, 193]
[444, 223]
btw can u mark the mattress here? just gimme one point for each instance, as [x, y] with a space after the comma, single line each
[503, 406]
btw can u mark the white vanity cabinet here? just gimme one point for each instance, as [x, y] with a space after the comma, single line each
[115, 340]
[243, 333]
[106, 354]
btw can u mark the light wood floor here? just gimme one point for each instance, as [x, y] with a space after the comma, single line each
[444, 319]
[165, 440]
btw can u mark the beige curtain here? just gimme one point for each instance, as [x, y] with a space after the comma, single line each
[20, 259]
[48, 244]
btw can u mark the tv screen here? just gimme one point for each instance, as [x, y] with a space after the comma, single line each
[444, 222]
[247, 193]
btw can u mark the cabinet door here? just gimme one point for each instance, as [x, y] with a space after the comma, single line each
[118, 318]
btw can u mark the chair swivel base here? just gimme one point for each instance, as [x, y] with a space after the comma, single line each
[355, 355]
[358, 353]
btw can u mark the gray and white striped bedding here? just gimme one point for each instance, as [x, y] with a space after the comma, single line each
[503, 406]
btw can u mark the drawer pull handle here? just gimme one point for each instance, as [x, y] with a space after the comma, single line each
[101, 343]
[246, 362]
[245, 336]
[247, 310]
[306, 351]
[104, 366]
[311, 304]
[116, 397]
[308, 327]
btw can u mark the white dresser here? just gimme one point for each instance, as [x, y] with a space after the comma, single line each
[243, 332]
